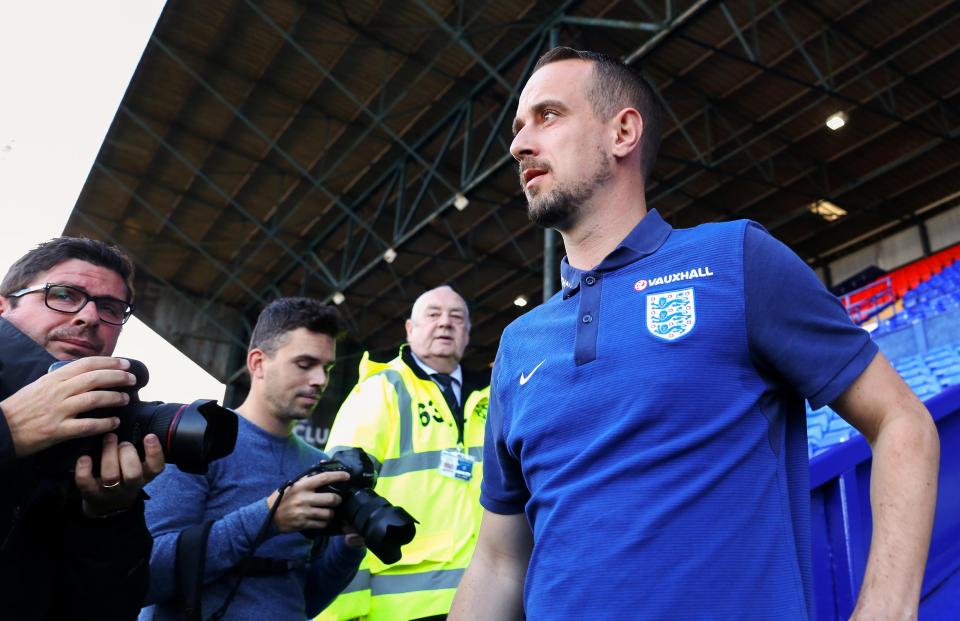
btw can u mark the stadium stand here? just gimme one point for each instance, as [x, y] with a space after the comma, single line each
[927, 375]
[923, 287]
[921, 337]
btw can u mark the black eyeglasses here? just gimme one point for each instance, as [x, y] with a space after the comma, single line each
[67, 299]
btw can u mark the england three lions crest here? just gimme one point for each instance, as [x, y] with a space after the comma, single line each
[671, 314]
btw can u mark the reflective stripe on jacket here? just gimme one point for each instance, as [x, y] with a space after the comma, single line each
[398, 415]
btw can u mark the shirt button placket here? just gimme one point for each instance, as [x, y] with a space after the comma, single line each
[585, 349]
[589, 280]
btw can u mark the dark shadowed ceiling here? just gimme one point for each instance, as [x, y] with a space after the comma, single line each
[284, 148]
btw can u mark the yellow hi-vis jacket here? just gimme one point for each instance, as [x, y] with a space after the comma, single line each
[398, 415]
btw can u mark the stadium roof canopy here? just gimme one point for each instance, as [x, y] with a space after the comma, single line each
[360, 148]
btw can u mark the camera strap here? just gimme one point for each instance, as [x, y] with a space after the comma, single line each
[190, 562]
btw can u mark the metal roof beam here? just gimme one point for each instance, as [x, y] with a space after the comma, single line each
[620, 24]
[825, 90]
[536, 37]
[275, 147]
[771, 131]
[244, 257]
[215, 321]
[474, 182]
[952, 10]
[220, 191]
[177, 230]
[457, 35]
[222, 32]
[799, 46]
[749, 51]
[330, 168]
[484, 292]
[506, 110]
[815, 167]
[671, 27]
[328, 75]
[875, 173]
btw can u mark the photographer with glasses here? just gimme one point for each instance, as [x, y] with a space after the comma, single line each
[72, 546]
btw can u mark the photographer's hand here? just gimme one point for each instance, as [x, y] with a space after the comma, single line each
[122, 475]
[43, 413]
[304, 508]
[352, 538]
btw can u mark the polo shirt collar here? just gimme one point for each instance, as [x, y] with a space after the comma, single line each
[645, 239]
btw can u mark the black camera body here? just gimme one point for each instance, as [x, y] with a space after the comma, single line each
[383, 526]
[191, 435]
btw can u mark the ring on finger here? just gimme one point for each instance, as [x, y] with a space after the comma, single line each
[106, 486]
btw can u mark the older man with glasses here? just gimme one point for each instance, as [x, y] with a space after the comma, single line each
[72, 545]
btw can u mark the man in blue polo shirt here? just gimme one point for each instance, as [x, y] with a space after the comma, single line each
[646, 451]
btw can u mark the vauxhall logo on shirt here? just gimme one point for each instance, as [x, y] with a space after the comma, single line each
[671, 315]
[699, 272]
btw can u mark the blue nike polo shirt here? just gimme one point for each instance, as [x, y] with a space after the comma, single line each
[649, 421]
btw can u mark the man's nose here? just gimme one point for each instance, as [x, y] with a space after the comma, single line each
[522, 145]
[319, 379]
[88, 314]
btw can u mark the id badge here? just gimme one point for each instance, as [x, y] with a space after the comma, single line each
[456, 465]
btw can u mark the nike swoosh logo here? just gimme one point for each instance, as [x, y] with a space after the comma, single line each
[526, 378]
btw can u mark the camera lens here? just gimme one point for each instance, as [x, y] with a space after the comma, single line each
[384, 527]
[192, 435]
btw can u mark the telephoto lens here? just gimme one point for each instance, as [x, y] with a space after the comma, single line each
[191, 435]
[384, 527]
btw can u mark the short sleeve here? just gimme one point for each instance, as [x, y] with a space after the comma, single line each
[503, 489]
[798, 331]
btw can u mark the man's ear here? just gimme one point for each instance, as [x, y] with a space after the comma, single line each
[628, 127]
[408, 325]
[255, 362]
[4, 305]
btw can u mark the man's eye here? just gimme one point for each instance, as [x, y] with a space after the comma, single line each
[548, 115]
[64, 294]
[112, 311]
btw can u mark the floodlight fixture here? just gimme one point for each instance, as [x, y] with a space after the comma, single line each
[827, 210]
[837, 120]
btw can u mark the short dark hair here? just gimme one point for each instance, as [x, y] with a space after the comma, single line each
[51, 253]
[284, 315]
[617, 85]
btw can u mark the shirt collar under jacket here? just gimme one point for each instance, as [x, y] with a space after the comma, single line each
[457, 374]
[645, 239]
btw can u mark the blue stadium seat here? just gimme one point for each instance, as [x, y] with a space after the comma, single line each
[835, 437]
[927, 374]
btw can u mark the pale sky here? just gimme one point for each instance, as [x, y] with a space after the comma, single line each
[64, 67]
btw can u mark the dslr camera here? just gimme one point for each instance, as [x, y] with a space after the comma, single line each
[383, 526]
[191, 435]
